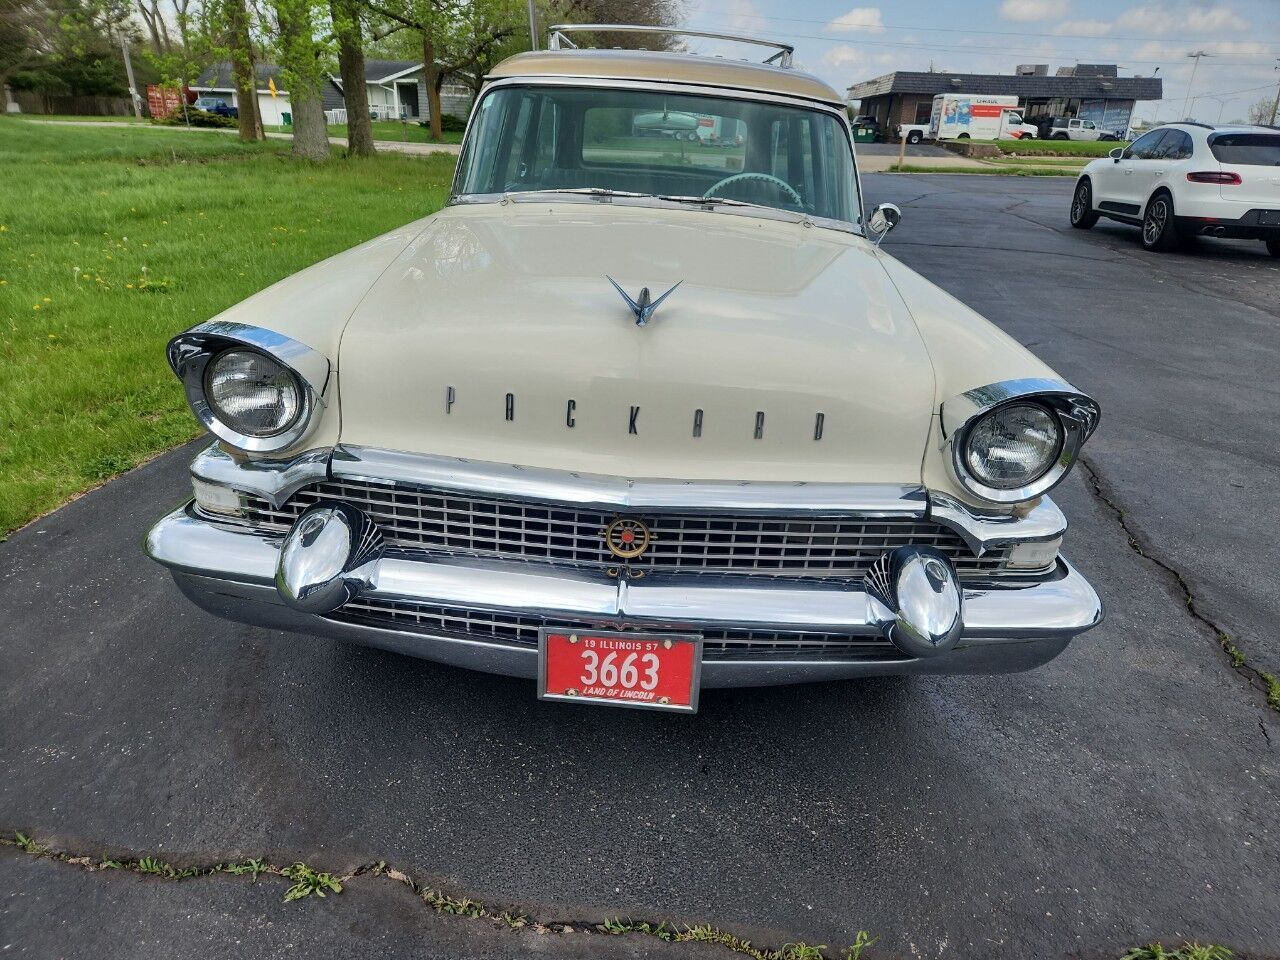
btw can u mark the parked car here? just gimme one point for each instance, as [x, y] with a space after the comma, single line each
[1186, 180]
[914, 132]
[216, 105]
[1072, 128]
[632, 423]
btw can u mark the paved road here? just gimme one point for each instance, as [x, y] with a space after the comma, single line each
[1130, 790]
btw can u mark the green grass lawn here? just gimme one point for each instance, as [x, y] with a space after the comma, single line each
[388, 130]
[990, 169]
[1057, 148]
[129, 119]
[112, 240]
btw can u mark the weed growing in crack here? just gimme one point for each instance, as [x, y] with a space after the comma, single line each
[159, 868]
[307, 881]
[252, 866]
[1188, 951]
[860, 943]
[26, 844]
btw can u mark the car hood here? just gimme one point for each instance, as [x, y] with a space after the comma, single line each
[785, 353]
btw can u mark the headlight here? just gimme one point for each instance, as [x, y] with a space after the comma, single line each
[1013, 445]
[251, 393]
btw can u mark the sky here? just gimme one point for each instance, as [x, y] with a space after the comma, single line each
[844, 41]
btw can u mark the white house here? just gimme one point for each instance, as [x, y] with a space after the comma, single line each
[396, 88]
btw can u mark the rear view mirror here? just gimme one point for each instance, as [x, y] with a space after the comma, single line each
[883, 219]
[1117, 154]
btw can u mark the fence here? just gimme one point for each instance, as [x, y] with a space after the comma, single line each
[33, 101]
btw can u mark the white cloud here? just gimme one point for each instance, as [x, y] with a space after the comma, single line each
[1218, 18]
[1028, 11]
[1082, 28]
[858, 20]
[1159, 19]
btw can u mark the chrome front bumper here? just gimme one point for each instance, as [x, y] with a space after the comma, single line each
[230, 570]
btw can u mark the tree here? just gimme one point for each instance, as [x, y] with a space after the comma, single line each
[301, 56]
[235, 16]
[25, 29]
[455, 36]
[1261, 111]
[657, 13]
[348, 33]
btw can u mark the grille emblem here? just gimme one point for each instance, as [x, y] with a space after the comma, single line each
[627, 538]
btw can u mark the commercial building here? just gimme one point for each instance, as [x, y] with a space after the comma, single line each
[1091, 91]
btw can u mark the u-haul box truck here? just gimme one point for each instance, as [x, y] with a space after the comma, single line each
[975, 116]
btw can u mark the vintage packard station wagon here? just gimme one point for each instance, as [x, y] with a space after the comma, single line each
[645, 408]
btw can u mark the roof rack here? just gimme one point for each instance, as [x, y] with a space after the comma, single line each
[782, 58]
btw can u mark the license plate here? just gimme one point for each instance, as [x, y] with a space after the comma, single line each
[655, 671]
[1269, 218]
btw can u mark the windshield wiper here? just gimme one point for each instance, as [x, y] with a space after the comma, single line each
[580, 191]
[708, 201]
[726, 202]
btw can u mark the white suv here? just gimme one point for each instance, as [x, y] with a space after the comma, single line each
[1185, 180]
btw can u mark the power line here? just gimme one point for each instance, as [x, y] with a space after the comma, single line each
[999, 33]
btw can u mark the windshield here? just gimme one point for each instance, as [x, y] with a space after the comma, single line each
[1256, 149]
[660, 144]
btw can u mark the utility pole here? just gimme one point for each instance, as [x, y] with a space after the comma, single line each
[128, 70]
[1196, 57]
[1275, 107]
[533, 26]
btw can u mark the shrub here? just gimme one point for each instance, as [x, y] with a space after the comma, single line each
[198, 118]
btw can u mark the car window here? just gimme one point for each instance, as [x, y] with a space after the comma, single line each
[1089, 125]
[653, 142]
[1258, 149]
[1145, 146]
[1176, 145]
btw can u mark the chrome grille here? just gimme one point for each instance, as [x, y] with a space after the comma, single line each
[447, 522]
[521, 630]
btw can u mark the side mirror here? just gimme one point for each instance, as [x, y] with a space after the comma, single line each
[1117, 154]
[883, 219]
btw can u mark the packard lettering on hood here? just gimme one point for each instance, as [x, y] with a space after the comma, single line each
[696, 417]
[483, 439]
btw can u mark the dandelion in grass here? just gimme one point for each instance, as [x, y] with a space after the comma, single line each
[47, 299]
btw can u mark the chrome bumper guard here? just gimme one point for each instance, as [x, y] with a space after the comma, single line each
[236, 572]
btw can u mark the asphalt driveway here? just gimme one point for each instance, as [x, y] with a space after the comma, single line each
[1128, 791]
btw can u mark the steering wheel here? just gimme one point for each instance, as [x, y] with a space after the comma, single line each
[766, 177]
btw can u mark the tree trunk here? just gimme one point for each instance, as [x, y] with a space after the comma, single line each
[346, 24]
[310, 133]
[299, 57]
[433, 85]
[246, 82]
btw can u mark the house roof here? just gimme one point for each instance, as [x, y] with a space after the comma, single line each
[1079, 85]
[659, 66]
[219, 76]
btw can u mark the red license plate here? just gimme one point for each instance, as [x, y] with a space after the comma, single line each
[658, 672]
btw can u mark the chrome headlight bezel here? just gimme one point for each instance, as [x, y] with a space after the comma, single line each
[190, 354]
[1077, 416]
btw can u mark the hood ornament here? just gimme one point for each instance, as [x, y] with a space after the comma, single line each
[644, 307]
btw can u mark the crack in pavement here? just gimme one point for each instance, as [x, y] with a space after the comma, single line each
[308, 881]
[1259, 680]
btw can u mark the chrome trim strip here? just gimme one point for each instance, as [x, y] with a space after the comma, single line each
[598, 491]
[273, 480]
[190, 352]
[983, 531]
[230, 555]
[1077, 413]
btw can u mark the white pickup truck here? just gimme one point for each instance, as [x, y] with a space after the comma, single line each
[1071, 128]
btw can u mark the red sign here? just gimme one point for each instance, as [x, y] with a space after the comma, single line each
[163, 101]
[623, 669]
[987, 109]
